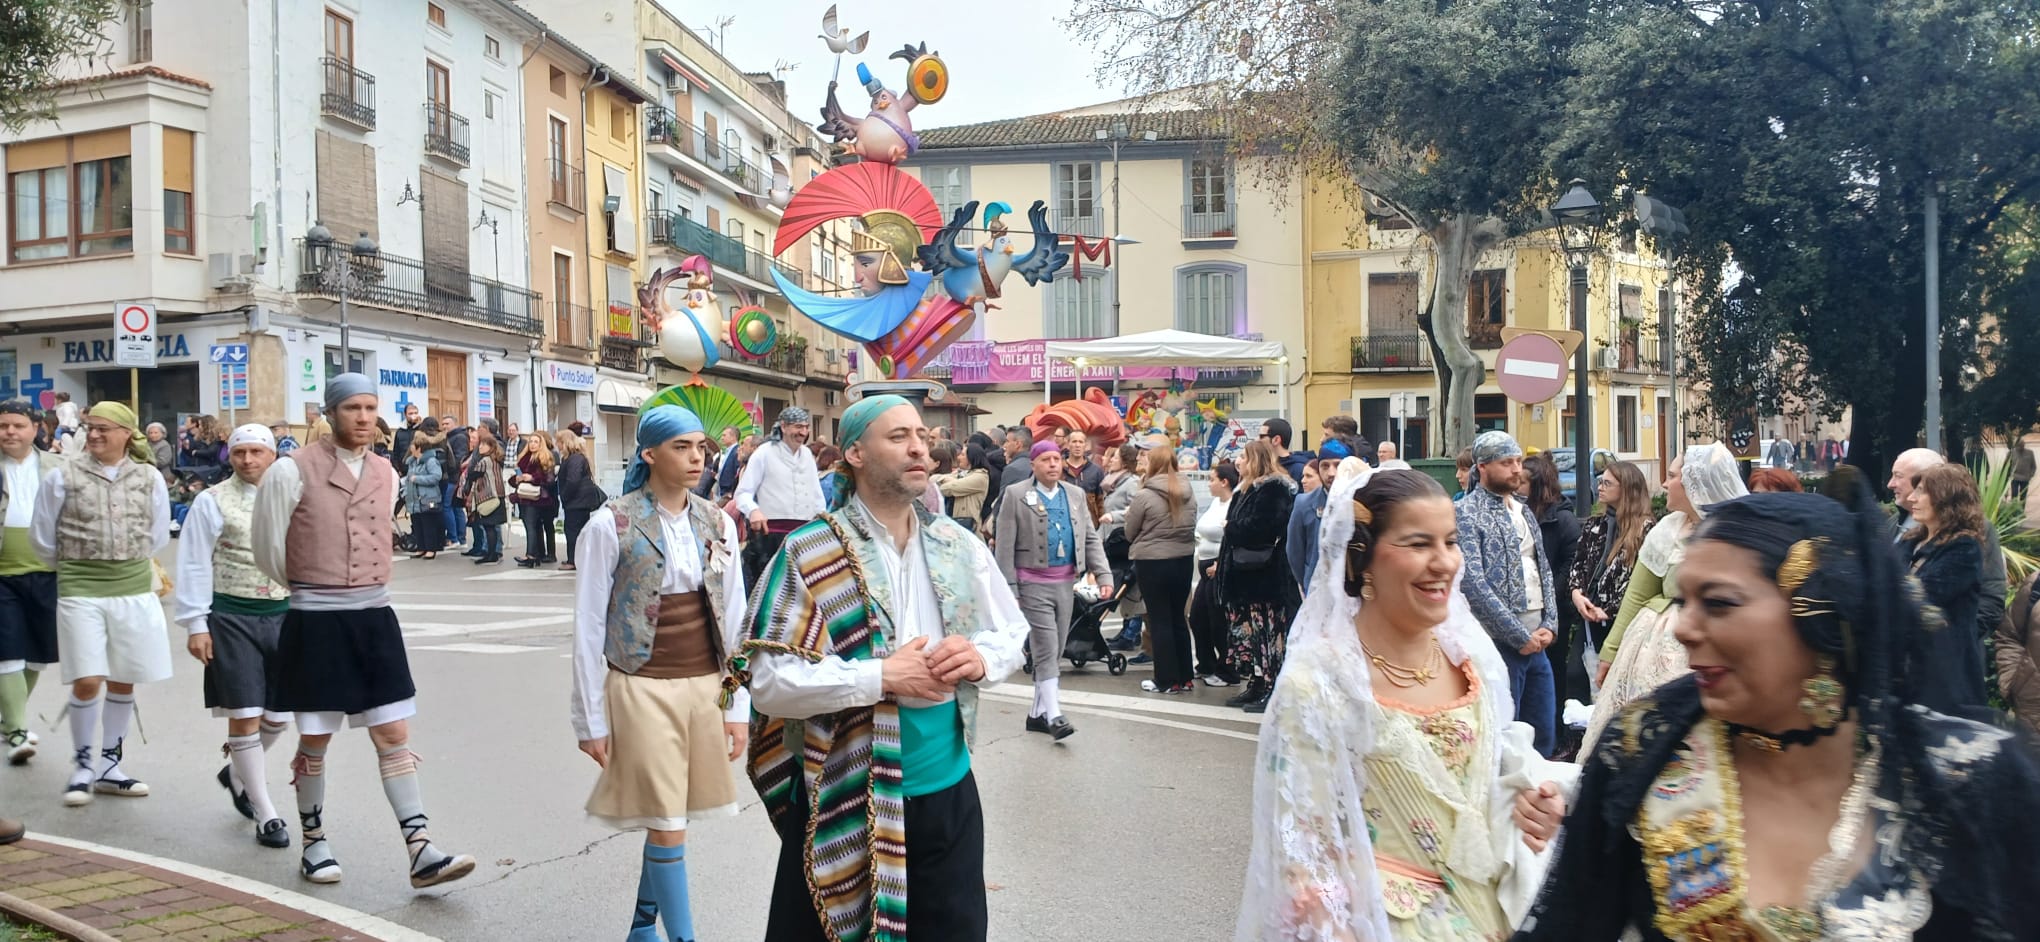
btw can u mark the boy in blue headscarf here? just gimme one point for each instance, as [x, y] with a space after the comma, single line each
[658, 612]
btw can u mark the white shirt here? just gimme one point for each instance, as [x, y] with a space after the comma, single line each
[49, 501]
[276, 500]
[192, 598]
[1211, 529]
[782, 482]
[595, 557]
[24, 481]
[790, 687]
[1526, 542]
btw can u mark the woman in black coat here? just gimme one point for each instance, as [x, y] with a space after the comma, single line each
[579, 495]
[1255, 589]
[1561, 540]
[1945, 671]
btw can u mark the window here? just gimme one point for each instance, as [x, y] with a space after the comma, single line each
[563, 293]
[1081, 309]
[340, 37]
[357, 362]
[950, 186]
[825, 260]
[492, 48]
[141, 30]
[734, 228]
[1076, 191]
[438, 85]
[176, 222]
[41, 218]
[1625, 425]
[70, 197]
[489, 104]
[558, 80]
[1490, 414]
[1392, 304]
[1487, 298]
[177, 189]
[435, 15]
[1629, 304]
[1209, 299]
[1210, 186]
[619, 123]
[710, 145]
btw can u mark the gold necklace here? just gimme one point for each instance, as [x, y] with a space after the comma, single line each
[1407, 677]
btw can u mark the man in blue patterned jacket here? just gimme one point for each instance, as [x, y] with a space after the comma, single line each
[1507, 580]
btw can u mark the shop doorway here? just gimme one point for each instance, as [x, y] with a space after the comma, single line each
[500, 403]
[446, 381]
[166, 393]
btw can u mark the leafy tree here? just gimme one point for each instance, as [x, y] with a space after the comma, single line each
[1444, 110]
[1801, 139]
[37, 39]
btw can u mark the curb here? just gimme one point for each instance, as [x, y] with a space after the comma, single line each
[64, 926]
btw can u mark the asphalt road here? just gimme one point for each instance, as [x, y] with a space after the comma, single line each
[1133, 829]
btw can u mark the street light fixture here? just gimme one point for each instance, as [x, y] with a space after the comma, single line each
[1118, 134]
[320, 240]
[1579, 221]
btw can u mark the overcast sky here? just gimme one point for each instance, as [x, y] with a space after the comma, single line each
[1006, 59]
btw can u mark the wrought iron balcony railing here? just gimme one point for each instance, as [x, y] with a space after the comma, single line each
[1387, 352]
[567, 185]
[446, 133]
[664, 127]
[407, 284]
[349, 93]
[1208, 223]
[684, 235]
[573, 325]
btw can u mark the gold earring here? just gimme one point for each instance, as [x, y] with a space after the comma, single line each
[1821, 698]
[1367, 588]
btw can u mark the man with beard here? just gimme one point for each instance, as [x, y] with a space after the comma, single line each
[1046, 542]
[28, 586]
[231, 614]
[322, 527]
[875, 628]
[1507, 580]
[780, 489]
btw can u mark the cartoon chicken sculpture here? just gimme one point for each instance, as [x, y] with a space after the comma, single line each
[687, 335]
[972, 275]
[886, 133]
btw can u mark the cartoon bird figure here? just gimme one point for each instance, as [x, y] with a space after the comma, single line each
[886, 133]
[972, 275]
[687, 335]
[839, 39]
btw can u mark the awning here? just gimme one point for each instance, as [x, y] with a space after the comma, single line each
[1172, 348]
[612, 396]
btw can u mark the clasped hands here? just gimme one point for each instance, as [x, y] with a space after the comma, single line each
[922, 671]
[1538, 813]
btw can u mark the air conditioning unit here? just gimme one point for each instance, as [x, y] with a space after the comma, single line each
[771, 143]
[1608, 358]
[829, 356]
[676, 84]
[829, 398]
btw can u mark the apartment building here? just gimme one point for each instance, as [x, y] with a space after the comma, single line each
[267, 198]
[1362, 314]
[1206, 242]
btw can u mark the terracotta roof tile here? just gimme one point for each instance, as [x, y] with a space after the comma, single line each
[147, 70]
[1178, 125]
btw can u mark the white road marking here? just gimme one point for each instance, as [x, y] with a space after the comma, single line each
[1118, 702]
[1069, 705]
[331, 912]
[479, 647]
[433, 629]
[522, 575]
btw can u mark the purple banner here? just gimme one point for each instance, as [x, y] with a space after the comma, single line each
[984, 361]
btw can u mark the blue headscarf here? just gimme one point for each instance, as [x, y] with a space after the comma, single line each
[657, 426]
[856, 420]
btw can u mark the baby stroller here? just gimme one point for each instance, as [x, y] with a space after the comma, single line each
[1087, 614]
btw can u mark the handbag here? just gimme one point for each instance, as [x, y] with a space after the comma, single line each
[529, 491]
[488, 507]
[1252, 558]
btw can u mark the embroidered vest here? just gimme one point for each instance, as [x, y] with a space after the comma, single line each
[340, 532]
[233, 558]
[106, 520]
[641, 570]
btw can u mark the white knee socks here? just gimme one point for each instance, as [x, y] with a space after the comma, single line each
[246, 755]
[310, 779]
[84, 725]
[1046, 702]
[400, 785]
[120, 708]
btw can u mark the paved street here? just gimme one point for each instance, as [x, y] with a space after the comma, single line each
[1133, 829]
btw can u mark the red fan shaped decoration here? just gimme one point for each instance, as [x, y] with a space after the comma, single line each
[855, 190]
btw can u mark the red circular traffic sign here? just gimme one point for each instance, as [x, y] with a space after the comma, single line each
[134, 319]
[1531, 369]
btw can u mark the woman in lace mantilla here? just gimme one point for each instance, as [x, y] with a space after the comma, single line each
[1394, 800]
[1785, 790]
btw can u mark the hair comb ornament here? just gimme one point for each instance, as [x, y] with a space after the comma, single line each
[1361, 515]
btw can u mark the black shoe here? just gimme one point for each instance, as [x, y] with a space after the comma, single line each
[527, 563]
[1258, 706]
[548, 559]
[1252, 693]
[1037, 724]
[273, 833]
[1060, 728]
[241, 802]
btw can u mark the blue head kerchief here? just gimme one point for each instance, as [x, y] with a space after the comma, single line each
[657, 426]
[346, 386]
[856, 420]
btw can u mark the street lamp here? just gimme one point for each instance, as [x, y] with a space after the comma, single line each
[1579, 221]
[496, 234]
[320, 240]
[1117, 135]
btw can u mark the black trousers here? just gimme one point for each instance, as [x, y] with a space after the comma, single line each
[576, 519]
[759, 548]
[945, 870]
[1208, 629]
[538, 530]
[1165, 587]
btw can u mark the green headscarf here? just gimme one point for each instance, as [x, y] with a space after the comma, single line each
[119, 414]
[856, 420]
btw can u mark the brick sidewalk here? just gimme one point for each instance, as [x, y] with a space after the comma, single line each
[128, 900]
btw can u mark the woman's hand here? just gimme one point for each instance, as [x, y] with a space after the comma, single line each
[597, 749]
[1587, 609]
[1601, 675]
[1538, 814]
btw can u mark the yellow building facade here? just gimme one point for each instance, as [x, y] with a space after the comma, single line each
[1363, 293]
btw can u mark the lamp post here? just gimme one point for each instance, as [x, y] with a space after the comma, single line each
[496, 237]
[1579, 219]
[320, 239]
[1116, 136]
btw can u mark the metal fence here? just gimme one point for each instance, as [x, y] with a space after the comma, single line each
[446, 133]
[1386, 352]
[392, 281]
[1208, 224]
[569, 185]
[349, 93]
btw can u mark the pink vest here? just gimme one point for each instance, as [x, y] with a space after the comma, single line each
[336, 502]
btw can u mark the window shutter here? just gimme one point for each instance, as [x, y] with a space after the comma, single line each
[177, 147]
[617, 183]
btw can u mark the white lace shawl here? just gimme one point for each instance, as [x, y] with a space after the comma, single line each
[1664, 545]
[1310, 870]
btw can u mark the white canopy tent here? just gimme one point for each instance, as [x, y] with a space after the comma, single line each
[1170, 348]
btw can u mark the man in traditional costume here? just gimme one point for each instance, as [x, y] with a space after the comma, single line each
[658, 609]
[1508, 580]
[322, 527]
[1046, 542]
[875, 629]
[779, 490]
[99, 520]
[28, 586]
[231, 614]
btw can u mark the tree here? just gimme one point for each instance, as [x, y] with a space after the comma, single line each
[38, 38]
[1444, 110]
[1801, 139]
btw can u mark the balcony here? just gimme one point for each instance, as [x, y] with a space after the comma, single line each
[1641, 352]
[572, 325]
[665, 128]
[567, 186]
[407, 284]
[446, 134]
[1086, 223]
[624, 353]
[349, 93]
[1209, 224]
[1484, 335]
[1391, 352]
[687, 237]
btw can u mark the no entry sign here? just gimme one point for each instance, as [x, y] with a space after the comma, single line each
[1531, 369]
[134, 335]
